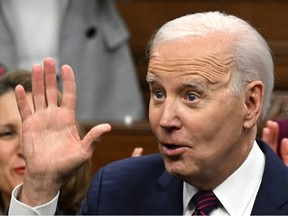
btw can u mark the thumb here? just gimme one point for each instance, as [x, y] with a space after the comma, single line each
[284, 150]
[94, 134]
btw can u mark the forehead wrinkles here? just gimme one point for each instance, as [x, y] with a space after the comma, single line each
[213, 68]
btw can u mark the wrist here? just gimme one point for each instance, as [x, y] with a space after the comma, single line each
[35, 192]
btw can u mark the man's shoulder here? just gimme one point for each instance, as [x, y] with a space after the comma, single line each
[130, 171]
[272, 197]
[274, 166]
[136, 185]
[143, 173]
[145, 163]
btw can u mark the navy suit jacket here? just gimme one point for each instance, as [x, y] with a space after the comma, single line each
[141, 185]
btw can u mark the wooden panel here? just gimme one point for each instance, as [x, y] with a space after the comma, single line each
[144, 17]
[281, 78]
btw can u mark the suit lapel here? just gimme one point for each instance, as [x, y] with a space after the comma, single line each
[273, 191]
[169, 199]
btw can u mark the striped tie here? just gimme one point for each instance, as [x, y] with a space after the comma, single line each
[205, 202]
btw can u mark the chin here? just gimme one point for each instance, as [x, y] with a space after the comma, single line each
[175, 168]
[178, 168]
[17, 182]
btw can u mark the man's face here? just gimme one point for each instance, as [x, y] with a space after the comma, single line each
[197, 120]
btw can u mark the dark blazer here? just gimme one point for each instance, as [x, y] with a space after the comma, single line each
[141, 185]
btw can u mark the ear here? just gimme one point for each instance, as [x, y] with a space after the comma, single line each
[254, 94]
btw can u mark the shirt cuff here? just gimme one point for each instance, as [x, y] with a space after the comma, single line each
[18, 208]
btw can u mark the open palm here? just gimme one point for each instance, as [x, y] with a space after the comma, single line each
[51, 144]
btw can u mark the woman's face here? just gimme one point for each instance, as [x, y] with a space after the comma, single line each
[12, 164]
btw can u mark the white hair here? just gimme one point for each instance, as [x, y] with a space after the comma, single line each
[252, 58]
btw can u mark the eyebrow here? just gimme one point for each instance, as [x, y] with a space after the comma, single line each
[189, 84]
[150, 78]
[193, 83]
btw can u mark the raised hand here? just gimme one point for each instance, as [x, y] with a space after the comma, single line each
[52, 147]
[270, 135]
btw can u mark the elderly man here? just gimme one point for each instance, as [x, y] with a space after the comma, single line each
[211, 78]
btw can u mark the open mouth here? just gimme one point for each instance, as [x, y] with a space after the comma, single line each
[171, 146]
[173, 150]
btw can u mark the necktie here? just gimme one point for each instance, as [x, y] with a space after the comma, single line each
[205, 202]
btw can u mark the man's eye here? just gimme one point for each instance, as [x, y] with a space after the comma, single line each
[158, 94]
[192, 97]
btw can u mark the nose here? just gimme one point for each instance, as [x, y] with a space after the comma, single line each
[19, 147]
[170, 118]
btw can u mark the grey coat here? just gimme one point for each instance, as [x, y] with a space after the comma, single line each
[94, 41]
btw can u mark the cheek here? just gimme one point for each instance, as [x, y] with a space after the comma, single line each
[8, 179]
[8, 182]
[5, 155]
[154, 115]
[8, 154]
[5, 174]
[8, 149]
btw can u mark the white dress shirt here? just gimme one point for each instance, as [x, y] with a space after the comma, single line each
[18, 208]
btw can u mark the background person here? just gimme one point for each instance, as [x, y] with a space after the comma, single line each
[271, 136]
[207, 73]
[273, 129]
[12, 164]
[90, 36]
